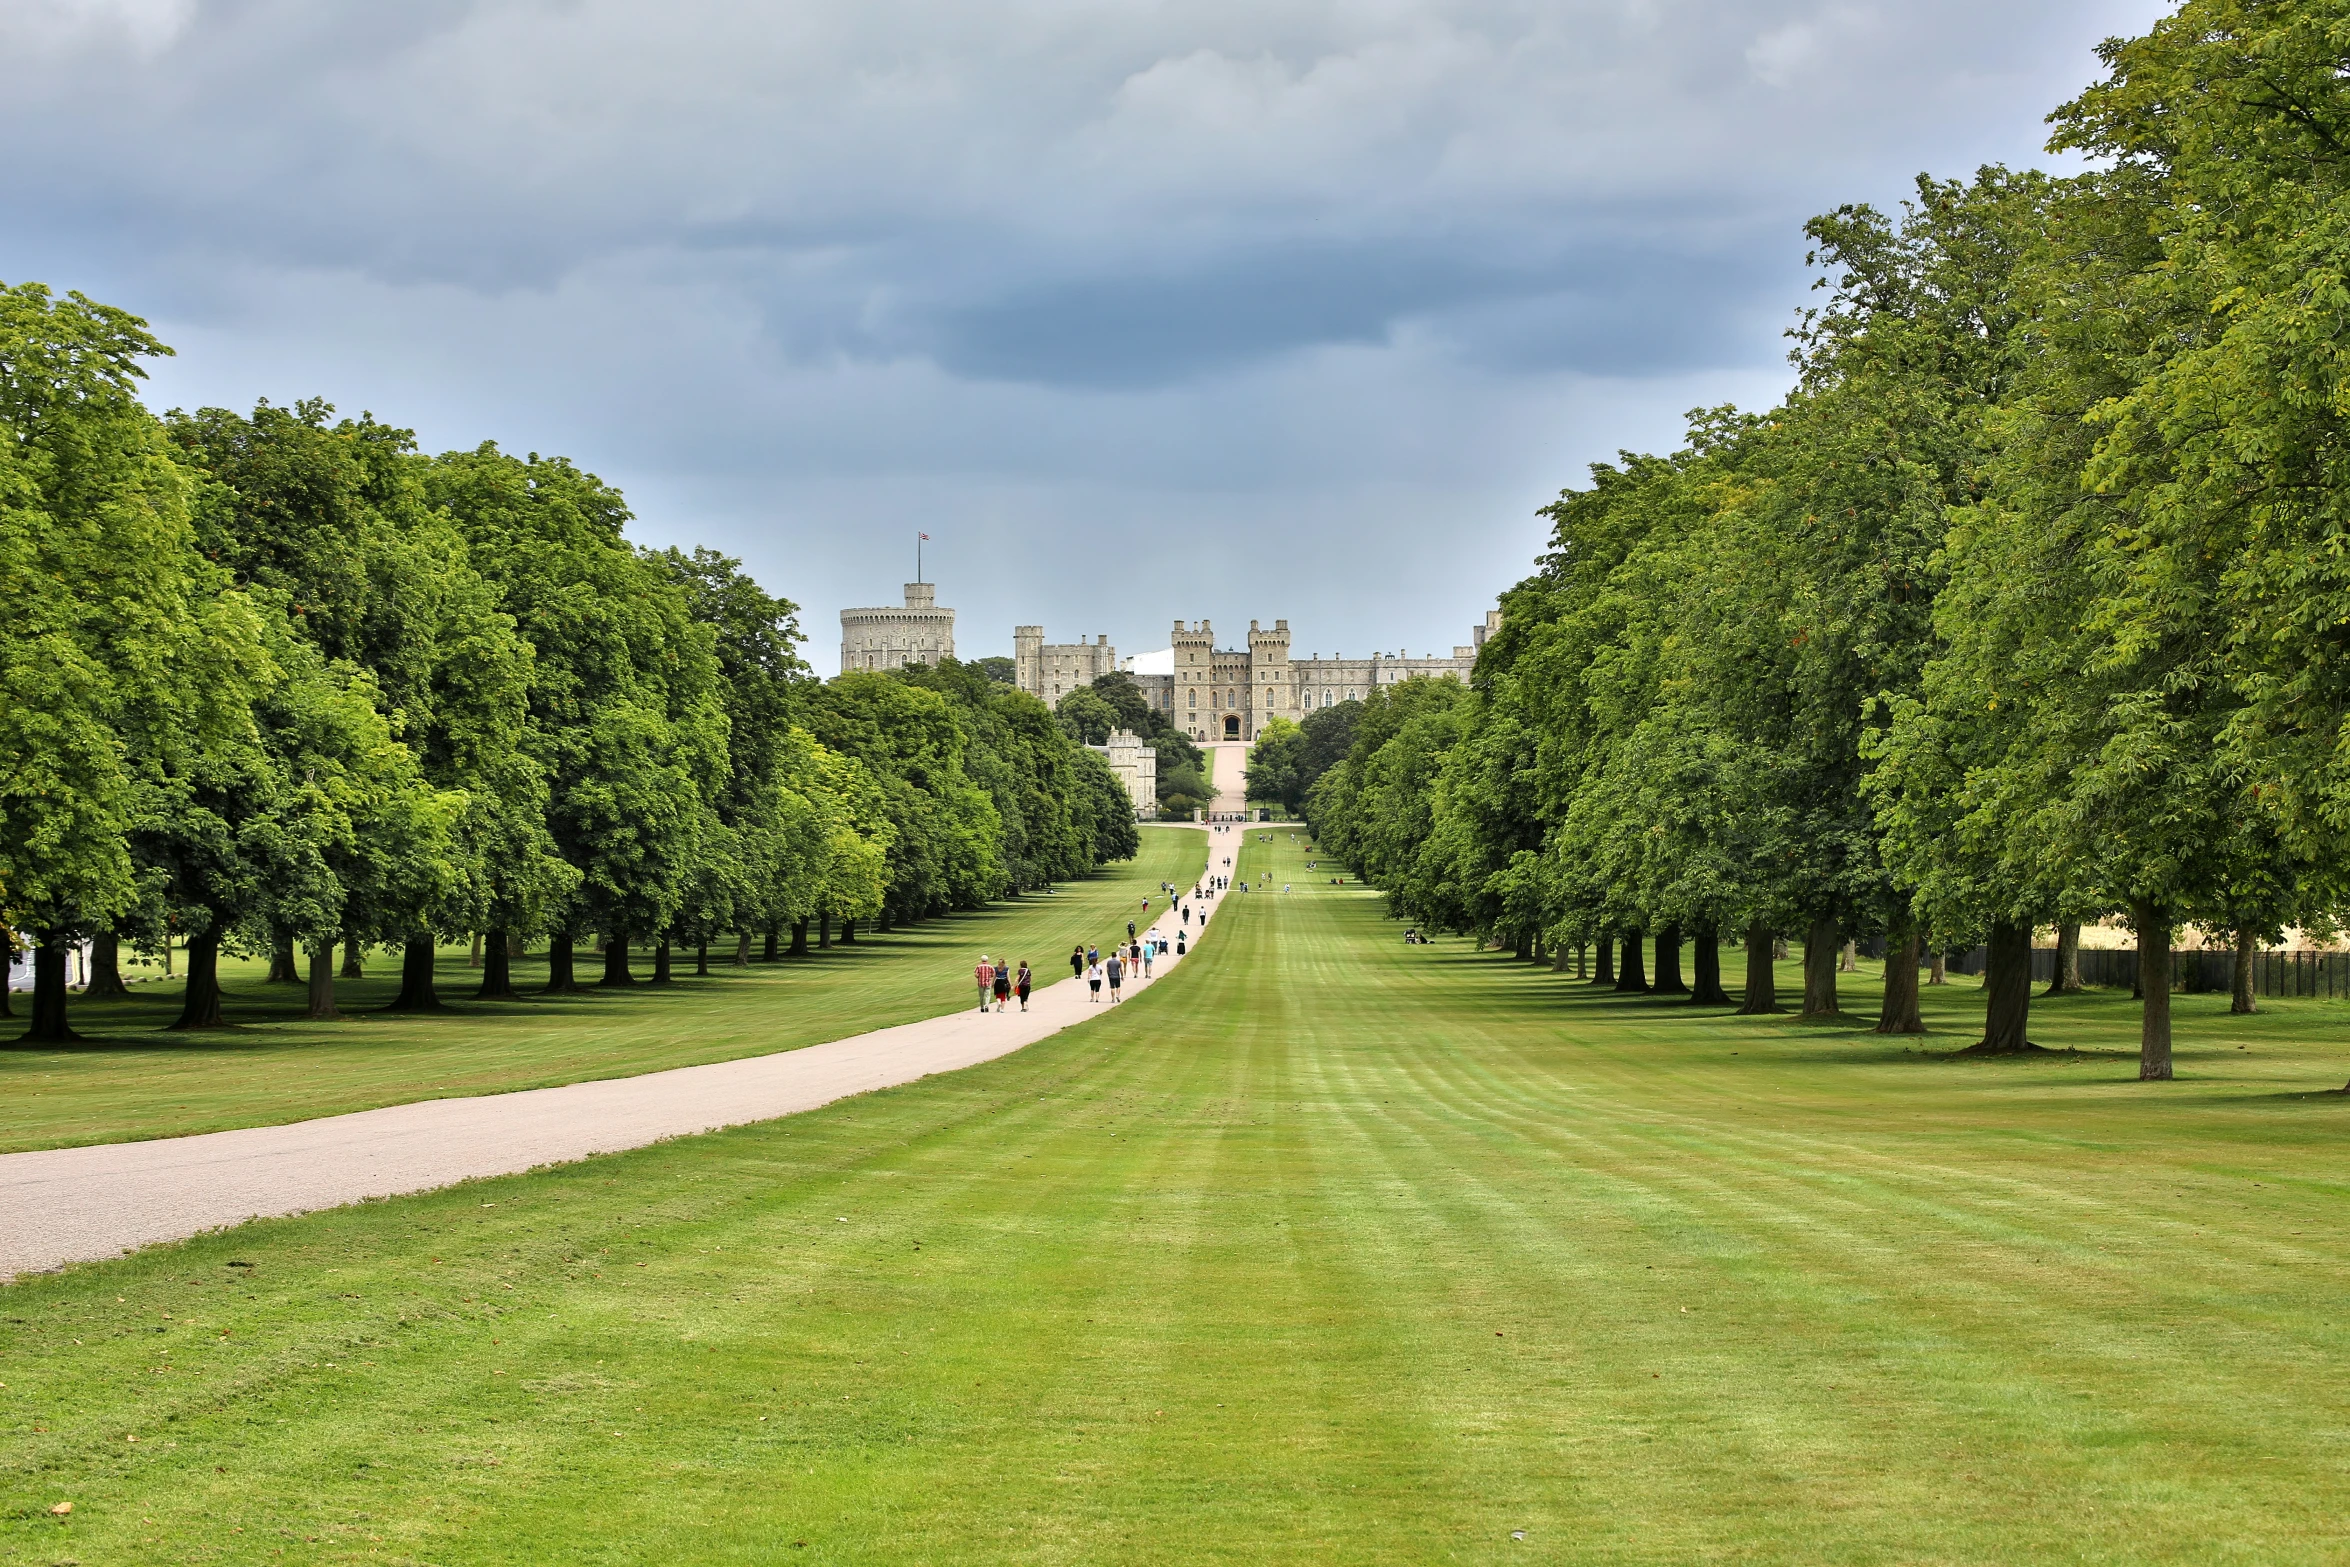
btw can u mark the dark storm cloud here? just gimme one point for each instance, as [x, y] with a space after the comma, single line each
[1361, 283]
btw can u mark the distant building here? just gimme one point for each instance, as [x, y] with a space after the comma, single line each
[1137, 767]
[1213, 693]
[1050, 671]
[890, 638]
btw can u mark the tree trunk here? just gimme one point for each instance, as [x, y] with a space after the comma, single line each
[2007, 983]
[416, 977]
[701, 960]
[2153, 924]
[823, 931]
[742, 949]
[322, 983]
[1819, 969]
[1668, 963]
[1629, 976]
[200, 1002]
[768, 954]
[1541, 952]
[284, 967]
[2240, 978]
[848, 933]
[1707, 959]
[497, 969]
[8, 961]
[1605, 974]
[661, 962]
[883, 923]
[562, 978]
[1561, 959]
[352, 967]
[105, 981]
[2065, 978]
[1849, 961]
[1762, 977]
[473, 960]
[799, 938]
[49, 1025]
[1938, 971]
[616, 972]
[1899, 1014]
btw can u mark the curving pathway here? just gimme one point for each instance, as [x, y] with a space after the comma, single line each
[82, 1204]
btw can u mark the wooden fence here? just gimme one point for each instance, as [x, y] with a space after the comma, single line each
[2325, 975]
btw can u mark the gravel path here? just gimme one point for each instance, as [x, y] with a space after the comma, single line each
[82, 1204]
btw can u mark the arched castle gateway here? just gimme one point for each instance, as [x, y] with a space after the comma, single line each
[1213, 693]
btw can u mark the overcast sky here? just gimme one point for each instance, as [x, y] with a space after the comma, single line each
[1229, 308]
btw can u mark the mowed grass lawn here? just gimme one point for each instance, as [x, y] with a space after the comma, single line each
[1328, 1249]
[132, 1080]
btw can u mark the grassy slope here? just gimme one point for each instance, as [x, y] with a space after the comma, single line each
[1329, 1249]
[132, 1081]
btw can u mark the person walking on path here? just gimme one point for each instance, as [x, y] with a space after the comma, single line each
[985, 974]
[1021, 985]
[1093, 981]
[1003, 986]
[1150, 949]
[1077, 962]
[1093, 954]
[1117, 971]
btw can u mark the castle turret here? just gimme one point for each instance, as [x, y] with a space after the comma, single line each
[1272, 692]
[1028, 659]
[1194, 691]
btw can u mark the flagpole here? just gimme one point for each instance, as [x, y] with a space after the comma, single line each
[917, 556]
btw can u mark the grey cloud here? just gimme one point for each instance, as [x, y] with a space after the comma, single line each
[1236, 271]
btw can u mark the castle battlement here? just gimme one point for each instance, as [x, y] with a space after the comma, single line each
[1214, 693]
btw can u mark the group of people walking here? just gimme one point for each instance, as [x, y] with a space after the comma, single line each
[999, 984]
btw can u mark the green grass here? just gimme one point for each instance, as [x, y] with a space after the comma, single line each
[1327, 1249]
[132, 1080]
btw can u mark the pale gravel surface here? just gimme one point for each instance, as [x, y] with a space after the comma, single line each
[82, 1204]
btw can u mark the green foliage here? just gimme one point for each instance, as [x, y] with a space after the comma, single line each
[1275, 774]
[111, 625]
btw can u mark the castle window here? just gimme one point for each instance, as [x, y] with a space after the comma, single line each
[1195, 699]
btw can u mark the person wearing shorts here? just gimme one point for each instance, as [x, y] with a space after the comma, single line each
[1020, 985]
[1150, 950]
[1093, 982]
[1117, 972]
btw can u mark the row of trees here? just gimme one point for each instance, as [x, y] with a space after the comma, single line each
[2030, 605]
[280, 683]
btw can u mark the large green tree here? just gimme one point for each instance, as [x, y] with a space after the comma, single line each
[116, 637]
[625, 716]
